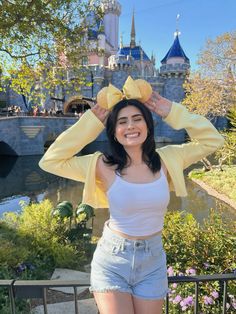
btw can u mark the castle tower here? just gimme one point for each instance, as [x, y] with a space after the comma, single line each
[175, 66]
[112, 11]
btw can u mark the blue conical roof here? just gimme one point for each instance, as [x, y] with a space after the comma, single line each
[175, 51]
[135, 52]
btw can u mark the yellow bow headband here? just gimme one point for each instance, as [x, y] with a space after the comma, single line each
[139, 89]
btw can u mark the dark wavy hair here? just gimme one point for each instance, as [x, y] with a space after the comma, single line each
[118, 155]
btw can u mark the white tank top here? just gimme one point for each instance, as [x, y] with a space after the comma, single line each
[138, 209]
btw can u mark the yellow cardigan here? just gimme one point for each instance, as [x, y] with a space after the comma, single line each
[60, 158]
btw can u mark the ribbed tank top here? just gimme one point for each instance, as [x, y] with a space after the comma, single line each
[138, 209]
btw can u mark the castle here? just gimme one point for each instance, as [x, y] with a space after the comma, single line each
[115, 61]
[118, 60]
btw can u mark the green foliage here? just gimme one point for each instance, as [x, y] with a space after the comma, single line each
[194, 249]
[226, 154]
[42, 44]
[42, 236]
[35, 241]
[232, 118]
[211, 89]
[222, 180]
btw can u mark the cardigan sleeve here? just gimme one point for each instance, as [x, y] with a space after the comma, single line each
[205, 139]
[60, 158]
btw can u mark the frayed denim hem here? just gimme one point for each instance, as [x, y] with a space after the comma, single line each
[109, 289]
[159, 297]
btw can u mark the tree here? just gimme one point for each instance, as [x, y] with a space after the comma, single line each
[212, 89]
[41, 41]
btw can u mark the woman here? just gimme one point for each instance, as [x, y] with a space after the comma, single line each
[128, 273]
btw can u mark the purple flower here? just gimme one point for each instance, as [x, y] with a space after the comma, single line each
[170, 271]
[177, 299]
[206, 265]
[21, 267]
[234, 305]
[174, 285]
[215, 294]
[189, 300]
[208, 300]
[184, 308]
[191, 271]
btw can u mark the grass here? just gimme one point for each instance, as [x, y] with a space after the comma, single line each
[223, 182]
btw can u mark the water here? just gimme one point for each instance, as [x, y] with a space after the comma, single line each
[21, 179]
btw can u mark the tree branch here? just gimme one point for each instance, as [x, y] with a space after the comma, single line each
[20, 56]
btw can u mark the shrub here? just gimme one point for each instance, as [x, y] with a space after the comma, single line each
[193, 249]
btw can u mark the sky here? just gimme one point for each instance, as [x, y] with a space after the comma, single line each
[155, 24]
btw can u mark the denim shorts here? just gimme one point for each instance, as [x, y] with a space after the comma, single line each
[137, 267]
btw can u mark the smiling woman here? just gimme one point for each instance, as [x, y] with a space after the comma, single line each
[131, 125]
[128, 270]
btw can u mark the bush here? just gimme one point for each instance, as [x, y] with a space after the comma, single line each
[37, 236]
[193, 249]
[35, 241]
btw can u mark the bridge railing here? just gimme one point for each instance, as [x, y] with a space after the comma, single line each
[37, 289]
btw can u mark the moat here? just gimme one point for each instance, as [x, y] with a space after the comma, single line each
[22, 180]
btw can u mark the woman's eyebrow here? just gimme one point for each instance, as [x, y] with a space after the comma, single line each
[133, 116]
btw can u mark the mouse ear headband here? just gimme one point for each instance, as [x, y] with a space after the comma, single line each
[139, 89]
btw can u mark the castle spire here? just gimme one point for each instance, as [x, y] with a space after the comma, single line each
[132, 41]
[121, 41]
[177, 32]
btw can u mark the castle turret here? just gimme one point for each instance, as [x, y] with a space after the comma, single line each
[112, 11]
[176, 54]
[175, 66]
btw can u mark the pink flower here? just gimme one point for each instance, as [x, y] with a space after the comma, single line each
[215, 294]
[234, 305]
[177, 299]
[170, 271]
[174, 285]
[189, 300]
[208, 300]
[191, 271]
[227, 306]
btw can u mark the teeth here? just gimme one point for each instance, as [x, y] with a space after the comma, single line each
[132, 135]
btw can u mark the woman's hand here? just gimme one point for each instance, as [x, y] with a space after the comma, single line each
[159, 105]
[100, 113]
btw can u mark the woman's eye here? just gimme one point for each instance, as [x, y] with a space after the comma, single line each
[139, 119]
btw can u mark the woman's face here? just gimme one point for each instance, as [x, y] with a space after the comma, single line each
[131, 128]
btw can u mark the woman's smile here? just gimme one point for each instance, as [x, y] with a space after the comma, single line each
[132, 135]
[131, 127]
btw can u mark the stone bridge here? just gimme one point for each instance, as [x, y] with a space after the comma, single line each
[20, 136]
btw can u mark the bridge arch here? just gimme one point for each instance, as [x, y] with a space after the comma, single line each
[7, 150]
[76, 104]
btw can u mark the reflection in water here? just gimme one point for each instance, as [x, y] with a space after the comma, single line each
[25, 181]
